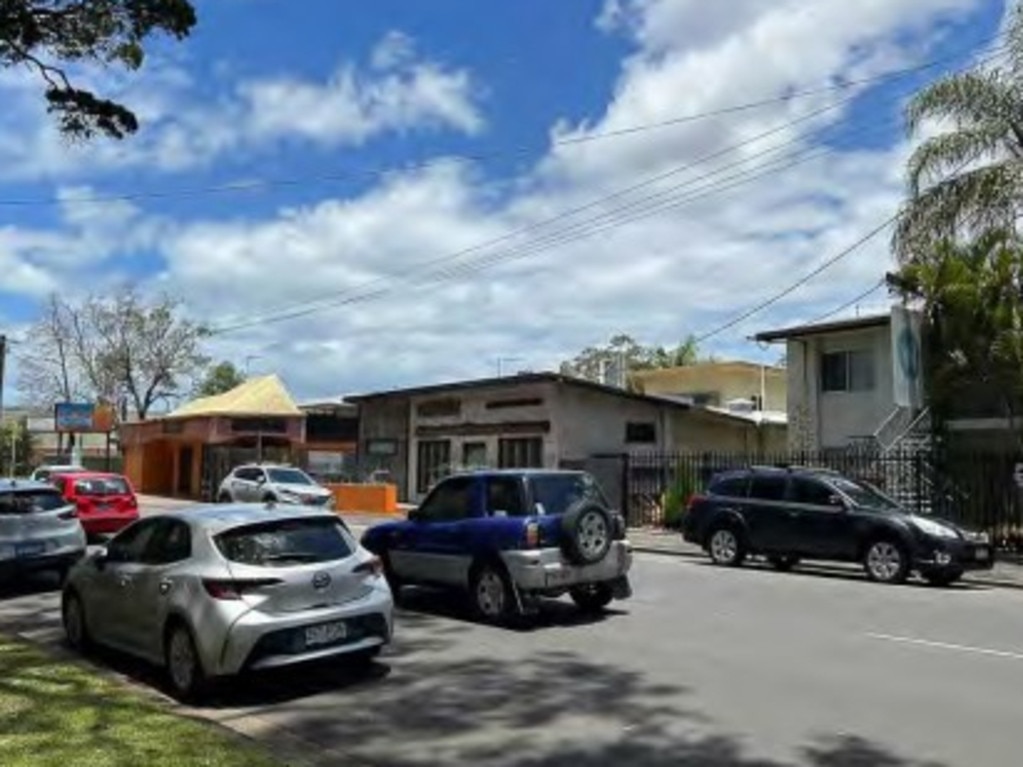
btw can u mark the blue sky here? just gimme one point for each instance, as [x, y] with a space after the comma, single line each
[349, 126]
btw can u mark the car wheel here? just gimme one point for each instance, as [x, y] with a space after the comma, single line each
[593, 597]
[224, 498]
[588, 532]
[783, 563]
[184, 669]
[885, 561]
[944, 579]
[492, 598]
[75, 628]
[726, 547]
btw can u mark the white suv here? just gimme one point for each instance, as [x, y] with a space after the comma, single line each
[39, 530]
[255, 483]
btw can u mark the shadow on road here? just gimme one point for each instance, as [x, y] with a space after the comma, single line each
[839, 572]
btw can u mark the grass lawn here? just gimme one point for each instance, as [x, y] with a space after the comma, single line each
[59, 714]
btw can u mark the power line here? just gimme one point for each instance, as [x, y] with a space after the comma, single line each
[851, 303]
[800, 282]
[259, 184]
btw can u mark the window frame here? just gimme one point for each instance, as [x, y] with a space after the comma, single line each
[744, 478]
[423, 511]
[851, 382]
[828, 491]
[519, 492]
[648, 436]
[508, 452]
[782, 478]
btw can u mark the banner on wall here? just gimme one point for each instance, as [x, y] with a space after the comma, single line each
[907, 357]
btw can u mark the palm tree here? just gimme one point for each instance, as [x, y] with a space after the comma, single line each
[968, 179]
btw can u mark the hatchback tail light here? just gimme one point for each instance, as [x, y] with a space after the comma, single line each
[229, 589]
[372, 566]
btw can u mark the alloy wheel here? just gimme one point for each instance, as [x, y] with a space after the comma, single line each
[884, 561]
[724, 547]
[181, 661]
[593, 535]
[490, 594]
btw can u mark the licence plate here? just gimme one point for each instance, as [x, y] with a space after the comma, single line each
[102, 506]
[325, 634]
[33, 549]
[982, 554]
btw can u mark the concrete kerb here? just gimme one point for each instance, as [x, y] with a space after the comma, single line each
[694, 553]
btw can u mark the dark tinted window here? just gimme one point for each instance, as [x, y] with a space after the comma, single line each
[557, 492]
[811, 491]
[863, 494]
[768, 487]
[640, 433]
[285, 542]
[505, 494]
[131, 544]
[732, 486]
[31, 502]
[171, 543]
[450, 500]
[289, 477]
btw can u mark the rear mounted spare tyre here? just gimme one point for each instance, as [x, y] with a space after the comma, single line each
[588, 531]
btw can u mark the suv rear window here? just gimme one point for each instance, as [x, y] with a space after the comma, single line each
[285, 542]
[557, 492]
[731, 486]
[31, 501]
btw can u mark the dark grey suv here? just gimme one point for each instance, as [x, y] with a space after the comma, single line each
[788, 514]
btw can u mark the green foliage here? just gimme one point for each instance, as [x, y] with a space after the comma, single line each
[220, 378]
[685, 484]
[17, 436]
[969, 179]
[48, 35]
[591, 361]
[971, 294]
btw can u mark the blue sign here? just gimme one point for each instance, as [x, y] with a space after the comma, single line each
[73, 416]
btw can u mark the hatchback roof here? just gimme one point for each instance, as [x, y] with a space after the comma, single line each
[7, 485]
[225, 516]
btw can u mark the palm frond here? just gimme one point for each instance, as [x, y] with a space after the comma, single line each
[936, 157]
[968, 99]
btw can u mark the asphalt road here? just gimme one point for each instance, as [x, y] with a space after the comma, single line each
[703, 666]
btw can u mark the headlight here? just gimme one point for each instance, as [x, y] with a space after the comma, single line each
[929, 527]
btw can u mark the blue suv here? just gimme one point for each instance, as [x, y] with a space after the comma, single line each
[508, 538]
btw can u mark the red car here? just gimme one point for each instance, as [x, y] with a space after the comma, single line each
[106, 503]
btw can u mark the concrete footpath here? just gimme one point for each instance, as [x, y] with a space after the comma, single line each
[1006, 574]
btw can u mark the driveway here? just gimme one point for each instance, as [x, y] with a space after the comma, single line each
[704, 666]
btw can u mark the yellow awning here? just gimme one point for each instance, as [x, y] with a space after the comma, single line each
[263, 396]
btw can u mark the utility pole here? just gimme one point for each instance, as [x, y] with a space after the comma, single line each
[3, 368]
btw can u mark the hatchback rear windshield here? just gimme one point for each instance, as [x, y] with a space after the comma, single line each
[557, 492]
[101, 486]
[31, 502]
[285, 542]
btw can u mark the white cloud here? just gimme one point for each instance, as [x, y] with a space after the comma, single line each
[685, 270]
[400, 92]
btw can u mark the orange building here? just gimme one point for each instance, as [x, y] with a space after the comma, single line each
[189, 451]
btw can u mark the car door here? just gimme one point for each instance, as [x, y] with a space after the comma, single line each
[433, 547]
[823, 527]
[108, 592]
[243, 485]
[769, 523]
[154, 580]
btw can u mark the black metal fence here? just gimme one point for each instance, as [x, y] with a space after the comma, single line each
[978, 490]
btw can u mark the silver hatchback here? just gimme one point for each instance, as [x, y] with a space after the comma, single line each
[39, 530]
[214, 591]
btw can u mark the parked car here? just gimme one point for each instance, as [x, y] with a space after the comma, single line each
[106, 503]
[795, 513]
[39, 530]
[43, 473]
[509, 537]
[256, 483]
[213, 591]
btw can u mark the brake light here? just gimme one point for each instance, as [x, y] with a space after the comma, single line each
[372, 566]
[229, 589]
[532, 535]
[694, 498]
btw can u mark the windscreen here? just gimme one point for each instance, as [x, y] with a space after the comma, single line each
[285, 542]
[288, 477]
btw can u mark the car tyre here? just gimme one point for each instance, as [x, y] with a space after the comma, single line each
[944, 579]
[588, 532]
[76, 630]
[491, 594]
[885, 561]
[224, 498]
[783, 564]
[726, 546]
[184, 668]
[592, 597]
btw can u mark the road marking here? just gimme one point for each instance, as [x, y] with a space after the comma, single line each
[948, 646]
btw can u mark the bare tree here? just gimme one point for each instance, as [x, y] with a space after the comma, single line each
[123, 347]
[47, 371]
